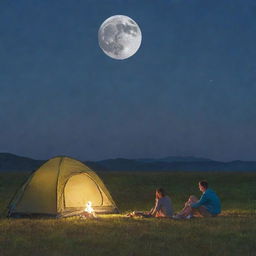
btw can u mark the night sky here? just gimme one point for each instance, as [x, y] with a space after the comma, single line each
[189, 90]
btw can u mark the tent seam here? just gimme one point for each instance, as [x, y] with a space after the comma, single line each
[25, 185]
[57, 182]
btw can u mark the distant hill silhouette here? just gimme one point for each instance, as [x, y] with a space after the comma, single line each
[11, 162]
[179, 164]
[170, 159]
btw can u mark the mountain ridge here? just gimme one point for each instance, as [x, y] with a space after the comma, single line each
[12, 162]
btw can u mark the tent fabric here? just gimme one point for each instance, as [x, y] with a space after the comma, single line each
[62, 186]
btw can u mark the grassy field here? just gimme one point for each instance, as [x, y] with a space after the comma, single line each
[232, 233]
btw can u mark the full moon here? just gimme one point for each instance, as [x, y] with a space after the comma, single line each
[119, 37]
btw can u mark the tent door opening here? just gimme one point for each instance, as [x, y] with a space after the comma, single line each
[80, 189]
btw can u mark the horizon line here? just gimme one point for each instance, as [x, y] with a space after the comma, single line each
[114, 158]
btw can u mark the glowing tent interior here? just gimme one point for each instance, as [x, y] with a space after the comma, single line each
[61, 187]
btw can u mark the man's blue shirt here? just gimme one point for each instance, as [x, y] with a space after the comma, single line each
[210, 201]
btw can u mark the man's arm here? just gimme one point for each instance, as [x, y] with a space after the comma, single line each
[202, 200]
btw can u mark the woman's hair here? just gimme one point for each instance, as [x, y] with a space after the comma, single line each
[161, 191]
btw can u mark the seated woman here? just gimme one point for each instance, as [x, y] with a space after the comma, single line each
[162, 208]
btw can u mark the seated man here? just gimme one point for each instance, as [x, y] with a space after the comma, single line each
[208, 206]
[162, 208]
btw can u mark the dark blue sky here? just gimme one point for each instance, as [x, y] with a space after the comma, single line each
[189, 90]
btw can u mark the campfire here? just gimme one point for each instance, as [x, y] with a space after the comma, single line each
[88, 211]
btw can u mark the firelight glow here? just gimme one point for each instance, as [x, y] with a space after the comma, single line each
[88, 207]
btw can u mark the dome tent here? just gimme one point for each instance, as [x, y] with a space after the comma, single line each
[61, 187]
